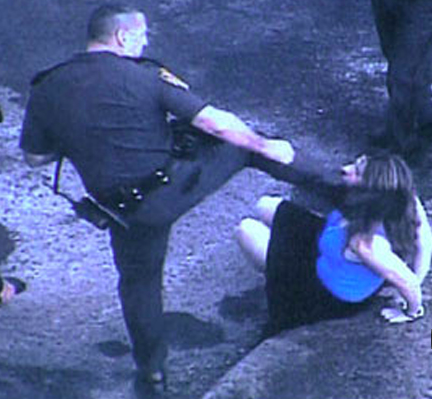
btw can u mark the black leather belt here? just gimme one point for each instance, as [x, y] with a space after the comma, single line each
[127, 197]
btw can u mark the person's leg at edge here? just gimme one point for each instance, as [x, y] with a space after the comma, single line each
[9, 288]
[139, 255]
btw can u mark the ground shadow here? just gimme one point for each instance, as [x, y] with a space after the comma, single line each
[249, 305]
[185, 331]
[22, 382]
[7, 245]
[113, 348]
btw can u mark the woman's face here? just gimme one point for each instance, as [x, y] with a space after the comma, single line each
[352, 174]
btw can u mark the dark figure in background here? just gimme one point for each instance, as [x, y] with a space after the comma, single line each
[106, 110]
[405, 32]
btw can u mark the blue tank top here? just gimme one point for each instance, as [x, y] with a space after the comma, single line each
[347, 280]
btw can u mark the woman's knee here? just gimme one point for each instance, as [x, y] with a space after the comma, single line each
[266, 208]
[252, 233]
[253, 237]
[245, 228]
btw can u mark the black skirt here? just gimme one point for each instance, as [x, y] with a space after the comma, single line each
[295, 295]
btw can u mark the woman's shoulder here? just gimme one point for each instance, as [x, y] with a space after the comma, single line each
[371, 243]
[420, 210]
[334, 217]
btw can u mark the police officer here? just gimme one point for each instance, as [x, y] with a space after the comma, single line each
[106, 110]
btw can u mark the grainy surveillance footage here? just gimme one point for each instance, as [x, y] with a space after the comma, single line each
[165, 302]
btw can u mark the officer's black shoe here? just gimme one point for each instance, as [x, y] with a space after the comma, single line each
[150, 385]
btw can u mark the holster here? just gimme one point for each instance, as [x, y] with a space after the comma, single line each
[189, 140]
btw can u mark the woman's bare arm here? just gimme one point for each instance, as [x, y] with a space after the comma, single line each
[376, 253]
[422, 260]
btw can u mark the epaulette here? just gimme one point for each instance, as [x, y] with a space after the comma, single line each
[40, 76]
[144, 60]
[164, 73]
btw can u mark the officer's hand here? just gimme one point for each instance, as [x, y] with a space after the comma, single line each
[279, 150]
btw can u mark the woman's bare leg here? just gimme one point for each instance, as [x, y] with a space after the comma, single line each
[266, 208]
[253, 237]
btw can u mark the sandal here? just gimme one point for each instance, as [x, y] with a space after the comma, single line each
[18, 286]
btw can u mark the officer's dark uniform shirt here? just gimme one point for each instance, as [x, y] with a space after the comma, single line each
[107, 114]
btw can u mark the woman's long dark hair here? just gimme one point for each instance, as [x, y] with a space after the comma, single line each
[386, 195]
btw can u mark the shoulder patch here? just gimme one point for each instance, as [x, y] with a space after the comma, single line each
[170, 78]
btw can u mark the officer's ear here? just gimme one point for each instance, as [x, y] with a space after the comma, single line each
[121, 37]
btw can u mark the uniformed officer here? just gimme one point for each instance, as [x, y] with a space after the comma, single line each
[106, 110]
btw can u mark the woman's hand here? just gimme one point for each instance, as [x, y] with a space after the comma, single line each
[398, 315]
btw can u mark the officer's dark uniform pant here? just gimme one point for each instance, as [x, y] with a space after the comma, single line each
[139, 251]
[139, 255]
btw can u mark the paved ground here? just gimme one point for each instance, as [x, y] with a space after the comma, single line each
[310, 71]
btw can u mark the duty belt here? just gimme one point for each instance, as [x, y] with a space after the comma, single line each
[126, 198]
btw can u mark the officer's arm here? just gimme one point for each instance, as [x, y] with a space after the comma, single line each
[35, 160]
[228, 127]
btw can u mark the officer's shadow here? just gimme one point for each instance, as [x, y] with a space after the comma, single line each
[184, 331]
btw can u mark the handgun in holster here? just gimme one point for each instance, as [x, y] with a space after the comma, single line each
[88, 208]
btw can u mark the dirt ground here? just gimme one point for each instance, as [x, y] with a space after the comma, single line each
[309, 71]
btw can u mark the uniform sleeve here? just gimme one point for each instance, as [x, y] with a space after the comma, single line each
[305, 173]
[34, 134]
[181, 102]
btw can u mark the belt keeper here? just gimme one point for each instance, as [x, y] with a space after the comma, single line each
[137, 194]
[162, 176]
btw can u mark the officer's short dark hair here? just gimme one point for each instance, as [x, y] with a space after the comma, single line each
[104, 21]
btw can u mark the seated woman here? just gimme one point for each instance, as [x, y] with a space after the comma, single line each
[319, 268]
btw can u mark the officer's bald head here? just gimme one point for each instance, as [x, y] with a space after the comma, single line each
[107, 19]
